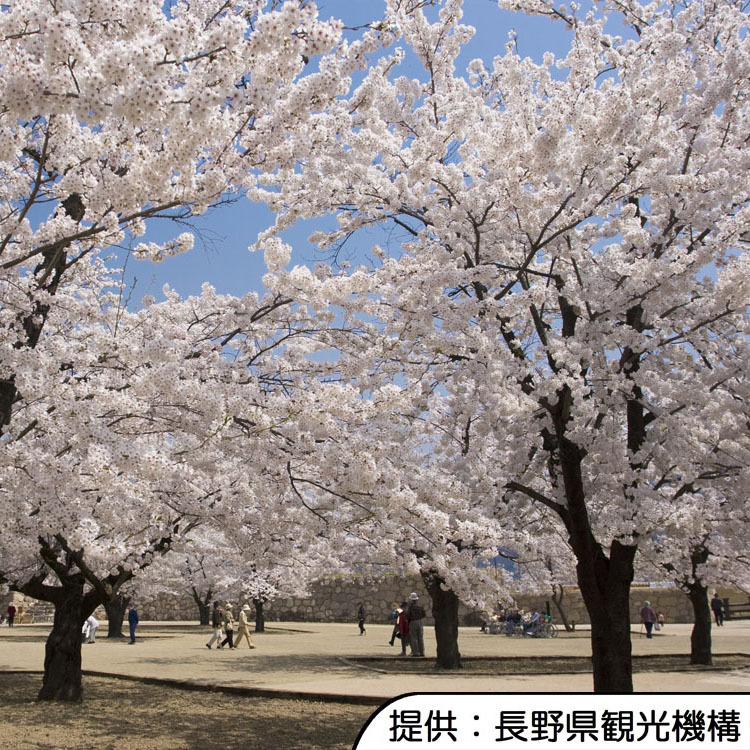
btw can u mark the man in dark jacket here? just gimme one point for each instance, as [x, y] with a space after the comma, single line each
[415, 614]
[718, 609]
[132, 621]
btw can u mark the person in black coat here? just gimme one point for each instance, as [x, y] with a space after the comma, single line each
[717, 607]
[415, 614]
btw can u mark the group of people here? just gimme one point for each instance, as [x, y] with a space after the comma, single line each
[223, 624]
[91, 625]
[408, 625]
[511, 619]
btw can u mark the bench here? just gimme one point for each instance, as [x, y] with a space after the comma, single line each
[736, 611]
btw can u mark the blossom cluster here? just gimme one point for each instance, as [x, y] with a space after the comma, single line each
[564, 326]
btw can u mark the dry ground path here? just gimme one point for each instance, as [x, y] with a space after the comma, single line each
[312, 659]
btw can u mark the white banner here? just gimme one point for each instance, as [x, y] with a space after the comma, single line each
[479, 721]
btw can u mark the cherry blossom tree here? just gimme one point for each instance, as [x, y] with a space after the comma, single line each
[197, 566]
[116, 450]
[699, 546]
[571, 287]
[228, 561]
[387, 505]
[94, 470]
[262, 581]
[115, 114]
[546, 564]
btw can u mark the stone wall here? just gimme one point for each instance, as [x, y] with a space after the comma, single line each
[180, 606]
[335, 599]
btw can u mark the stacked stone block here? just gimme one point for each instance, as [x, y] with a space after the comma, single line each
[336, 598]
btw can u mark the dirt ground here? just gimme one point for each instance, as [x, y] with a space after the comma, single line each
[125, 715]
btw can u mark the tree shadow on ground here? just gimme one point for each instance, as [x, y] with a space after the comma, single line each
[251, 660]
[121, 714]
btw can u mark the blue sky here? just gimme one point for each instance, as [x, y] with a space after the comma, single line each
[221, 255]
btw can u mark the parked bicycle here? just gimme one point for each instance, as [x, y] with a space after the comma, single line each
[546, 629]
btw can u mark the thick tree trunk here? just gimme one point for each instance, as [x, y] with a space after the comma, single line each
[604, 581]
[62, 659]
[700, 638]
[260, 619]
[203, 613]
[115, 608]
[605, 588]
[445, 613]
[74, 602]
[203, 602]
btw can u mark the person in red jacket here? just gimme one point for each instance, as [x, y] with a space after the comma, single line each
[402, 623]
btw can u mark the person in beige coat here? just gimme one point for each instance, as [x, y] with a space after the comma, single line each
[243, 629]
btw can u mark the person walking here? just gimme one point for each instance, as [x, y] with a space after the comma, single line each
[403, 627]
[216, 616]
[132, 621]
[243, 629]
[361, 618]
[648, 617]
[717, 607]
[415, 614]
[11, 615]
[228, 625]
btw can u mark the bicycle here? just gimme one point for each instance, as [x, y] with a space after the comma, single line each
[546, 630]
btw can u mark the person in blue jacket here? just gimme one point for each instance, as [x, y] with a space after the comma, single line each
[133, 621]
